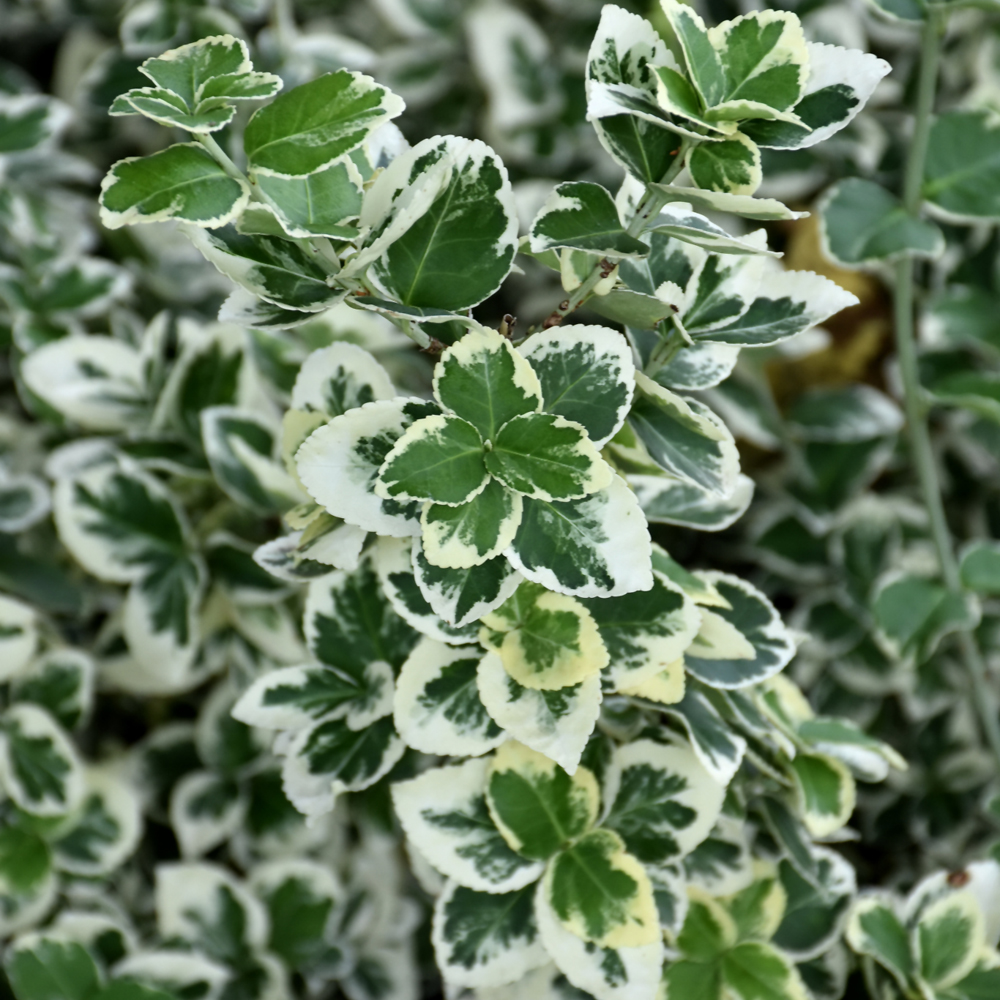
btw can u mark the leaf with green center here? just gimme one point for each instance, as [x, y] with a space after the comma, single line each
[39, 768]
[869, 758]
[96, 382]
[18, 636]
[241, 446]
[437, 708]
[644, 632]
[536, 805]
[324, 203]
[349, 623]
[687, 980]
[473, 532]
[684, 437]
[25, 861]
[486, 939]
[483, 380]
[708, 929]
[444, 814]
[206, 809]
[586, 374]
[752, 615]
[338, 378]
[604, 973]
[462, 596]
[962, 171]
[756, 971]
[913, 615]
[582, 215]
[547, 457]
[981, 567]
[679, 221]
[594, 547]
[28, 120]
[949, 939]
[764, 57]
[601, 893]
[721, 863]
[623, 52]
[467, 214]
[165, 108]
[666, 802]
[731, 166]
[180, 182]
[294, 697]
[277, 270]
[41, 968]
[546, 641]
[757, 909]
[438, 458]
[339, 463]
[875, 929]
[555, 723]
[330, 758]
[839, 85]
[702, 58]
[24, 500]
[862, 222]
[318, 122]
[718, 747]
[723, 290]
[676, 95]
[826, 792]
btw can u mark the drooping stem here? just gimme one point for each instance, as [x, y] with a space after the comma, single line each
[913, 399]
[651, 203]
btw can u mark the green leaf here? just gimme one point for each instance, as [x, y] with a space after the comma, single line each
[485, 939]
[582, 215]
[962, 170]
[756, 619]
[277, 270]
[39, 768]
[436, 207]
[840, 83]
[437, 708]
[684, 438]
[950, 938]
[324, 203]
[474, 532]
[594, 547]
[330, 758]
[444, 814]
[850, 413]
[463, 596]
[536, 805]
[623, 51]
[546, 641]
[826, 792]
[483, 380]
[977, 392]
[754, 971]
[547, 457]
[42, 968]
[602, 893]
[981, 567]
[555, 723]
[644, 632]
[709, 930]
[180, 182]
[438, 458]
[862, 222]
[586, 374]
[874, 929]
[814, 915]
[339, 463]
[731, 166]
[28, 120]
[701, 56]
[666, 802]
[318, 122]
[25, 860]
[165, 108]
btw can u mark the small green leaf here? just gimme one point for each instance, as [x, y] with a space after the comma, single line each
[862, 222]
[25, 860]
[474, 532]
[582, 215]
[950, 936]
[318, 122]
[731, 166]
[180, 182]
[536, 805]
[42, 968]
[826, 792]
[701, 56]
[323, 203]
[754, 969]
[874, 929]
[981, 567]
[962, 170]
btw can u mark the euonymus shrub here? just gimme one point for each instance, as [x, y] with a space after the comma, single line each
[641, 791]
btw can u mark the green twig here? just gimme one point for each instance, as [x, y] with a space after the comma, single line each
[913, 398]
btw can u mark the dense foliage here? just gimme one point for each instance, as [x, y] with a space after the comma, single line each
[465, 526]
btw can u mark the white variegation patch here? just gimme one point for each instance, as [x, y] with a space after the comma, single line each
[437, 707]
[340, 377]
[443, 812]
[758, 209]
[665, 500]
[336, 467]
[554, 723]
[665, 687]
[18, 636]
[718, 639]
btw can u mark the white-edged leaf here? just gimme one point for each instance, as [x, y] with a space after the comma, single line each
[718, 747]
[18, 636]
[206, 809]
[665, 500]
[335, 379]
